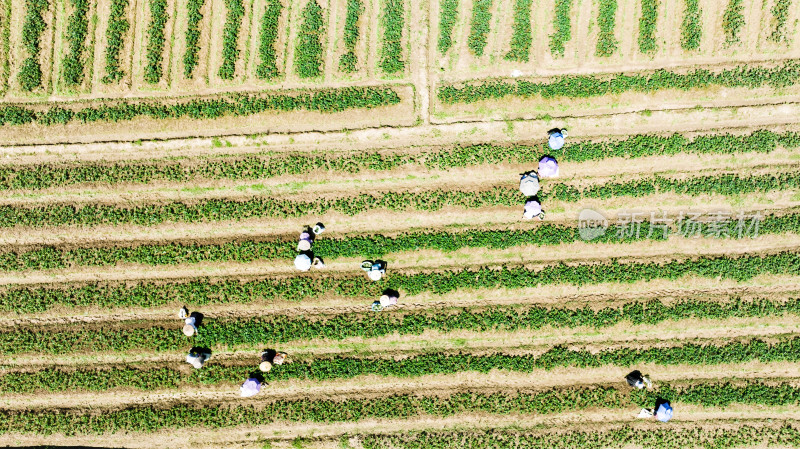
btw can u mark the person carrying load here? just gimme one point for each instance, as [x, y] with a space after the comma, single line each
[637, 380]
[191, 321]
[271, 357]
[556, 138]
[306, 259]
[548, 167]
[388, 299]
[197, 357]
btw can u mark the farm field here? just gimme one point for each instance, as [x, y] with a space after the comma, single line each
[156, 154]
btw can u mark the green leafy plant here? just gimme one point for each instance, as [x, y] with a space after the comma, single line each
[77, 29]
[647, 26]
[327, 100]
[733, 21]
[607, 44]
[118, 27]
[585, 86]
[521, 38]
[308, 54]
[691, 28]
[479, 26]
[447, 20]
[155, 41]
[562, 28]
[230, 39]
[268, 68]
[393, 21]
[780, 13]
[30, 72]
[190, 56]
[348, 62]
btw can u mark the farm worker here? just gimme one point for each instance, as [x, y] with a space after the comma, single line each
[533, 209]
[375, 269]
[556, 139]
[306, 240]
[529, 184]
[271, 357]
[197, 358]
[548, 167]
[305, 260]
[250, 387]
[190, 322]
[636, 380]
[387, 300]
[662, 411]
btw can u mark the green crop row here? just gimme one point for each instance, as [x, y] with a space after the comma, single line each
[399, 406]
[230, 39]
[118, 27]
[207, 291]
[308, 55]
[521, 39]
[225, 209]
[42, 176]
[623, 437]
[30, 72]
[393, 21]
[348, 62]
[585, 86]
[191, 55]
[647, 26]
[691, 28]
[562, 28]
[479, 26]
[780, 13]
[329, 100]
[268, 68]
[336, 368]
[155, 41]
[374, 246]
[733, 21]
[77, 29]
[447, 20]
[607, 44]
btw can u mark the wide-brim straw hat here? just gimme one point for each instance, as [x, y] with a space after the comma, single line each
[265, 366]
[188, 330]
[375, 275]
[304, 245]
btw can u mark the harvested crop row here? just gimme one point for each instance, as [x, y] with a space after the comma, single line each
[30, 72]
[54, 379]
[393, 21]
[521, 38]
[116, 32]
[328, 100]
[212, 210]
[155, 41]
[43, 176]
[230, 39]
[375, 246]
[151, 419]
[279, 329]
[190, 56]
[77, 30]
[623, 437]
[348, 62]
[268, 67]
[585, 86]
